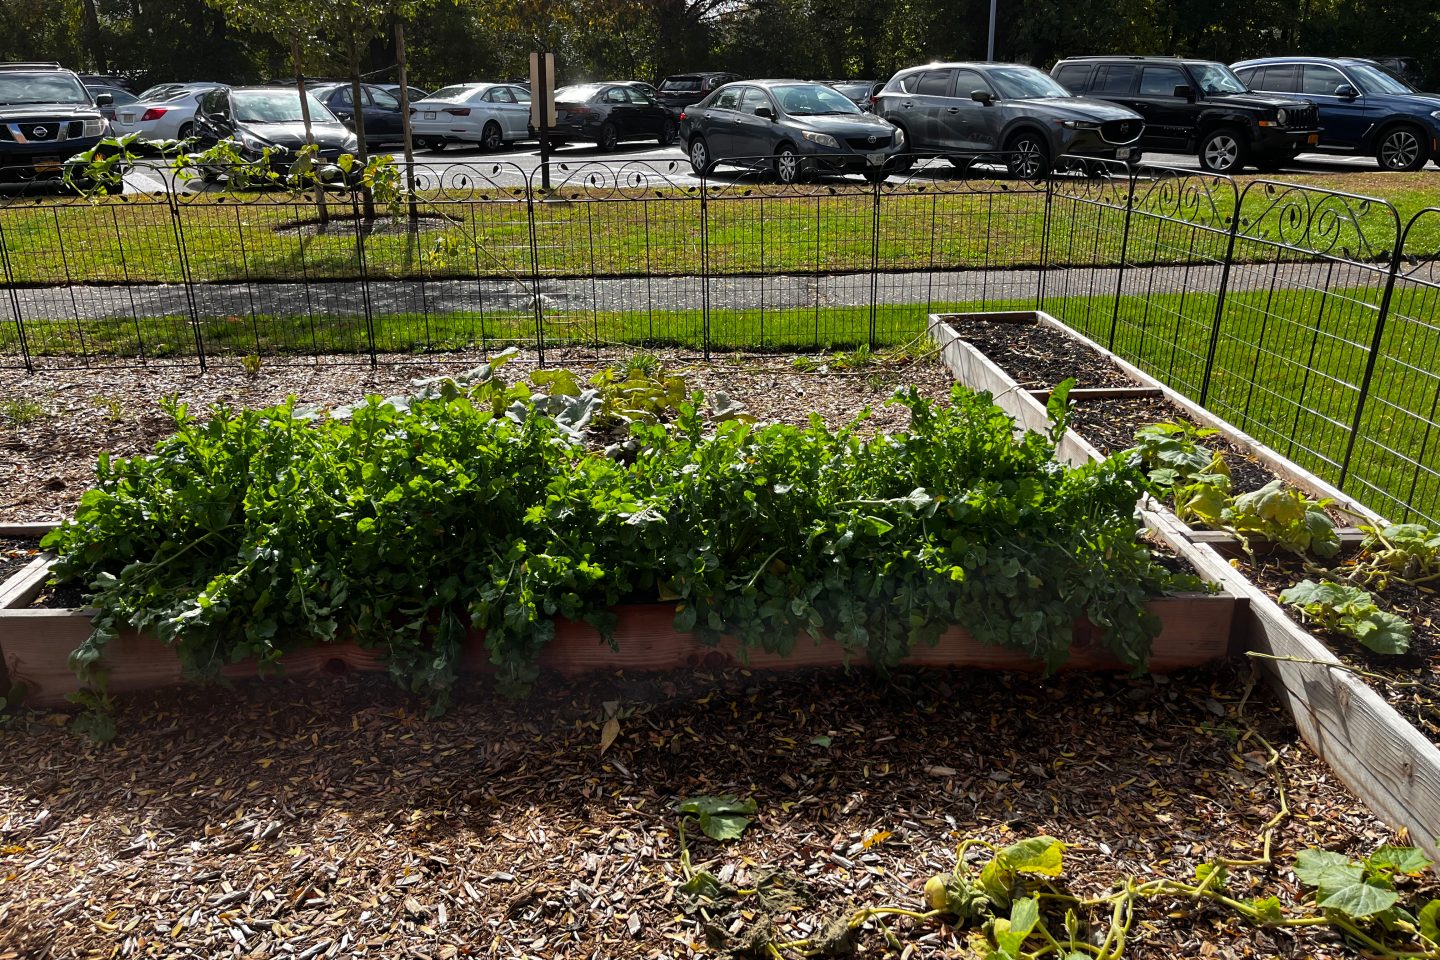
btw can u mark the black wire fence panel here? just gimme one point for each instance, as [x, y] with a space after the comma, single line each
[1308, 317]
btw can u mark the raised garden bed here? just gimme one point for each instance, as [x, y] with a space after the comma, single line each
[1380, 754]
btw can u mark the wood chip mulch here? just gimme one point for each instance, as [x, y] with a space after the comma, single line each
[330, 819]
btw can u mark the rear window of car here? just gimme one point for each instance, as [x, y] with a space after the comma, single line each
[456, 92]
[681, 84]
[577, 93]
[1074, 76]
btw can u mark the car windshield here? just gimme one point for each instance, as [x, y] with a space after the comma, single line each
[1216, 78]
[853, 90]
[1024, 83]
[578, 93]
[458, 92]
[277, 106]
[42, 88]
[812, 99]
[1373, 80]
[681, 84]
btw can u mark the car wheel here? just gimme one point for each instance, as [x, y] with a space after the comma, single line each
[700, 156]
[1223, 150]
[491, 138]
[1029, 157]
[609, 137]
[788, 165]
[1401, 149]
[667, 133]
[187, 130]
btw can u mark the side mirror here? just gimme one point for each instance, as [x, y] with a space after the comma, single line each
[765, 112]
[104, 99]
[1346, 91]
[982, 96]
[1183, 91]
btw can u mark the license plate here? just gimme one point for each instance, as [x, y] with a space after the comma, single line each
[875, 159]
[1122, 154]
[127, 118]
[1313, 138]
[429, 114]
[47, 165]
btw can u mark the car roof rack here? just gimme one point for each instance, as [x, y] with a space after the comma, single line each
[32, 65]
[1127, 56]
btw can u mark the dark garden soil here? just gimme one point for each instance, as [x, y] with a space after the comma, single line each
[1038, 357]
[331, 819]
[1411, 682]
[15, 554]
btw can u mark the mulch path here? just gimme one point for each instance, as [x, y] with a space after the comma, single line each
[16, 553]
[47, 463]
[330, 819]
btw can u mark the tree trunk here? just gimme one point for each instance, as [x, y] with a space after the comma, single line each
[358, 96]
[309, 133]
[94, 43]
[405, 114]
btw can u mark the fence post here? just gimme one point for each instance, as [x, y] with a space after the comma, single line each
[1124, 252]
[537, 307]
[1375, 339]
[360, 262]
[15, 302]
[704, 265]
[1044, 244]
[874, 260]
[1220, 298]
[187, 279]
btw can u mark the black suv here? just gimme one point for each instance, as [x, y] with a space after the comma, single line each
[46, 117]
[684, 89]
[1199, 107]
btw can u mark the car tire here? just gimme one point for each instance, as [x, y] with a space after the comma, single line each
[187, 130]
[1223, 150]
[609, 137]
[668, 132]
[700, 160]
[787, 165]
[1029, 156]
[1401, 149]
[491, 138]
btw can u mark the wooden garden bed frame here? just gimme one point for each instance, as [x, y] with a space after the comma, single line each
[1381, 756]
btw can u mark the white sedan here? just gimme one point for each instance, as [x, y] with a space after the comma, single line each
[490, 114]
[166, 112]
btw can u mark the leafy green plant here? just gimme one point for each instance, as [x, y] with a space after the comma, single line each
[1404, 552]
[1173, 455]
[21, 411]
[1349, 611]
[1275, 513]
[723, 817]
[250, 364]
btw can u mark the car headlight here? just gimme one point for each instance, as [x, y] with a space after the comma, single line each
[1079, 125]
[251, 142]
[95, 128]
[1435, 115]
[1281, 116]
[824, 139]
[350, 145]
[899, 137]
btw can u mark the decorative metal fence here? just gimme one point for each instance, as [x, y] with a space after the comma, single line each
[1311, 318]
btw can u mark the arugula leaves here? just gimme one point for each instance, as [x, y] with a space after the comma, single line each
[474, 504]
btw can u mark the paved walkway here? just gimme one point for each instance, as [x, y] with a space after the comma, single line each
[441, 297]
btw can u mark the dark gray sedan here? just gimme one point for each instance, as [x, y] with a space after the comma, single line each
[789, 126]
[964, 110]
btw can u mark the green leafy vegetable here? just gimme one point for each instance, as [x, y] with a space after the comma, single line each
[721, 817]
[1350, 611]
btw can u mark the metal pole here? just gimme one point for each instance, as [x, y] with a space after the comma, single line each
[1376, 340]
[990, 46]
[405, 114]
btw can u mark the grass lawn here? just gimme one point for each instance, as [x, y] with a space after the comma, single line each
[950, 225]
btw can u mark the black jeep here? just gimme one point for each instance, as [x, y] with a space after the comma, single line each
[46, 117]
[1198, 107]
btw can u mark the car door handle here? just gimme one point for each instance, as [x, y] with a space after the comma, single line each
[907, 104]
[953, 110]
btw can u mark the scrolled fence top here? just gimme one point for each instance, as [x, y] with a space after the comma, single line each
[1318, 221]
[605, 180]
[1201, 199]
[1421, 266]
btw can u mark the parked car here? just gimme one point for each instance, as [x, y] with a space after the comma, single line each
[490, 114]
[1198, 107]
[118, 97]
[794, 127]
[862, 92]
[260, 118]
[646, 88]
[48, 116]
[683, 89]
[105, 80]
[394, 90]
[380, 109]
[610, 113]
[1364, 110]
[165, 112]
[964, 110]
